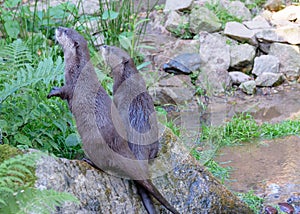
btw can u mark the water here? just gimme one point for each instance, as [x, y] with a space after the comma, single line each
[271, 168]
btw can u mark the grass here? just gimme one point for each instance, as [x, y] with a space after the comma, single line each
[223, 15]
[253, 201]
[243, 128]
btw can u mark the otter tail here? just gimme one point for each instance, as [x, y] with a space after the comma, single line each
[149, 186]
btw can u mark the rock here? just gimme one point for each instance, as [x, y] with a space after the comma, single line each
[289, 34]
[289, 58]
[265, 63]
[239, 32]
[183, 64]
[215, 61]
[287, 208]
[268, 79]
[178, 5]
[174, 20]
[238, 9]
[270, 210]
[248, 87]
[269, 35]
[173, 90]
[186, 185]
[289, 14]
[238, 77]
[273, 5]
[169, 50]
[257, 23]
[202, 19]
[241, 57]
[214, 51]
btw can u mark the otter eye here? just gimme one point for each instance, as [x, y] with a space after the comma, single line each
[104, 46]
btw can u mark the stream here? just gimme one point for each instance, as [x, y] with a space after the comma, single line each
[270, 167]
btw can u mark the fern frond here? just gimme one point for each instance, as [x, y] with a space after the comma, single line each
[43, 201]
[13, 170]
[46, 71]
[14, 56]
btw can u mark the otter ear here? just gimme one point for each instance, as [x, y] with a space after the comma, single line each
[124, 60]
[76, 44]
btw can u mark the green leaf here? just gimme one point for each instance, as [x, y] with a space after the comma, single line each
[22, 139]
[109, 15]
[72, 140]
[125, 40]
[12, 28]
[144, 64]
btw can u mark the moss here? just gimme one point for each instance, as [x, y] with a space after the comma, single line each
[7, 151]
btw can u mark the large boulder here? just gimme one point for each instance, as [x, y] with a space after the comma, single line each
[215, 62]
[241, 57]
[173, 90]
[174, 20]
[268, 79]
[289, 57]
[186, 185]
[238, 9]
[265, 63]
[202, 19]
[240, 32]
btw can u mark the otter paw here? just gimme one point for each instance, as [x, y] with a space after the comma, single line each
[55, 91]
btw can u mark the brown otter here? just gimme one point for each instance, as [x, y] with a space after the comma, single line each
[135, 106]
[96, 117]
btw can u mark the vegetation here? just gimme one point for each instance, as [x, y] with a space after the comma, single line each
[30, 65]
[17, 194]
[243, 128]
[223, 15]
[253, 201]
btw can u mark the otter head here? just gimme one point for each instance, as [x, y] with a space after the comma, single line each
[70, 40]
[113, 56]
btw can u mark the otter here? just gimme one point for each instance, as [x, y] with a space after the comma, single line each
[135, 106]
[97, 120]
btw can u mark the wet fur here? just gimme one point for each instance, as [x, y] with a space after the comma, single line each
[93, 109]
[140, 115]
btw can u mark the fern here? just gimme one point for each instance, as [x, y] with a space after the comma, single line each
[16, 195]
[14, 56]
[45, 71]
[33, 200]
[14, 170]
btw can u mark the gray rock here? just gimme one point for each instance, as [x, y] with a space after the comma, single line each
[239, 32]
[178, 5]
[185, 184]
[214, 51]
[173, 90]
[289, 59]
[258, 23]
[249, 87]
[238, 9]
[287, 34]
[215, 61]
[202, 19]
[214, 81]
[183, 64]
[241, 57]
[238, 77]
[173, 20]
[265, 63]
[269, 35]
[268, 79]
